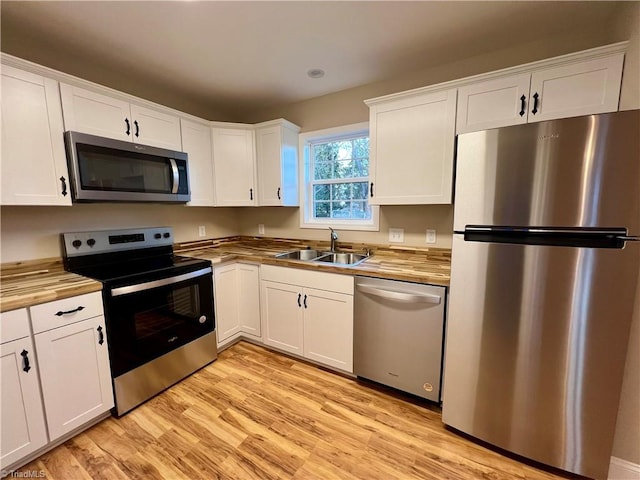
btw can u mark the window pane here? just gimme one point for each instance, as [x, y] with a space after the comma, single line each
[344, 150]
[343, 169]
[361, 148]
[322, 209]
[341, 210]
[360, 191]
[360, 210]
[341, 191]
[322, 170]
[321, 192]
[325, 152]
[361, 167]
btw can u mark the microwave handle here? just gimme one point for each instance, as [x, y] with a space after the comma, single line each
[176, 177]
[140, 287]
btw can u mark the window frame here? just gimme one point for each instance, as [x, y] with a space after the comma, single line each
[306, 192]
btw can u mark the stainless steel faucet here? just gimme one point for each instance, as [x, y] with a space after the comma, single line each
[334, 237]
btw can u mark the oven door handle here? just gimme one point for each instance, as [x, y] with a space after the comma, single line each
[139, 287]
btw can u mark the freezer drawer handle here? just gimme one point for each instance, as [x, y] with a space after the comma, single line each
[399, 296]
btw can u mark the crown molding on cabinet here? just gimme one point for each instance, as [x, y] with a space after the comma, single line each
[620, 47]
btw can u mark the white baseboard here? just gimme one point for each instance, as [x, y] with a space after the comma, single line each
[620, 469]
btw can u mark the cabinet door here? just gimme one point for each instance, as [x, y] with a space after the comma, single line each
[412, 147]
[96, 114]
[75, 374]
[158, 129]
[583, 88]
[268, 145]
[226, 301]
[328, 328]
[234, 166]
[196, 141]
[34, 166]
[23, 428]
[249, 298]
[282, 311]
[277, 161]
[495, 103]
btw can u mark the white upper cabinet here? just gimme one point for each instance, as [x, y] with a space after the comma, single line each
[34, 165]
[495, 103]
[97, 114]
[582, 88]
[558, 90]
[412, 147]
[235, 167]
[277, 161]
[196, 142]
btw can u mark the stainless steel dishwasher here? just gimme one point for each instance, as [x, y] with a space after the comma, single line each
[398, 335]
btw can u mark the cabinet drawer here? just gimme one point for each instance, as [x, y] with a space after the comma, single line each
[52, 314]
[331, 282]
[14, 325]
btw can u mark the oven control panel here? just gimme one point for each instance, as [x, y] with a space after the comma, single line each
[105, 241]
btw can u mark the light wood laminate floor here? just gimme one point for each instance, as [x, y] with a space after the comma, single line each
[257, 414]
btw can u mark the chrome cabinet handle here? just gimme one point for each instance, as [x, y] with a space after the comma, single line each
[399, 296]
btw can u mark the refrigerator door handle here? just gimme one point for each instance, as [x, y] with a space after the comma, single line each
[549, 236]
[626, 238]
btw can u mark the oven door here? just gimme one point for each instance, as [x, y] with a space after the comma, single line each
[148, 319]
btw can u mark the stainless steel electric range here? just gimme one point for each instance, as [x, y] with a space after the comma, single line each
[158, 307]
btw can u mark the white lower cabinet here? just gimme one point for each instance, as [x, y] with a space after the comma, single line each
[328, 328]
[76, 379]
[23, 429]
[309, 314]
[237, 300]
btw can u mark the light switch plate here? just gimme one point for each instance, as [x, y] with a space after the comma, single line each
[202, 231]
[396, 235]
[431, 236]
[260, 229]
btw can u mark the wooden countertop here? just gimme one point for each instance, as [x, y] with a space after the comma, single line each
[420, 265]
[23, 284]
[27, 283]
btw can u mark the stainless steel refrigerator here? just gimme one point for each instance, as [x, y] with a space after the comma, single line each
[544, 276]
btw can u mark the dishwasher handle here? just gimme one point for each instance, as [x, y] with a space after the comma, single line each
[400, 296]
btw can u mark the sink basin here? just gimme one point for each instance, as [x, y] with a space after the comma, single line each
[299, 255]
[342, 258]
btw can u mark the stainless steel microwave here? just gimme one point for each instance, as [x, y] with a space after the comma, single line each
[103, 169]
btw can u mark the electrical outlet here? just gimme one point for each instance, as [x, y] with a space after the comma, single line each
[202, 231]
[396, 235]
[260, 229]
[431, 236]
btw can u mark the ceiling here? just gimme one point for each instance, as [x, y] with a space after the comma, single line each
[241, 56]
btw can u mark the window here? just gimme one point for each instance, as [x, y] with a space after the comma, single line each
[336, 179]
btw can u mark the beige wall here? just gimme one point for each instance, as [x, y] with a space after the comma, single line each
[34, 232]
[284, 222]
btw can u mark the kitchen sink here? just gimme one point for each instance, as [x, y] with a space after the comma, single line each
[300, 255]
[338, 258]
[342, 258]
